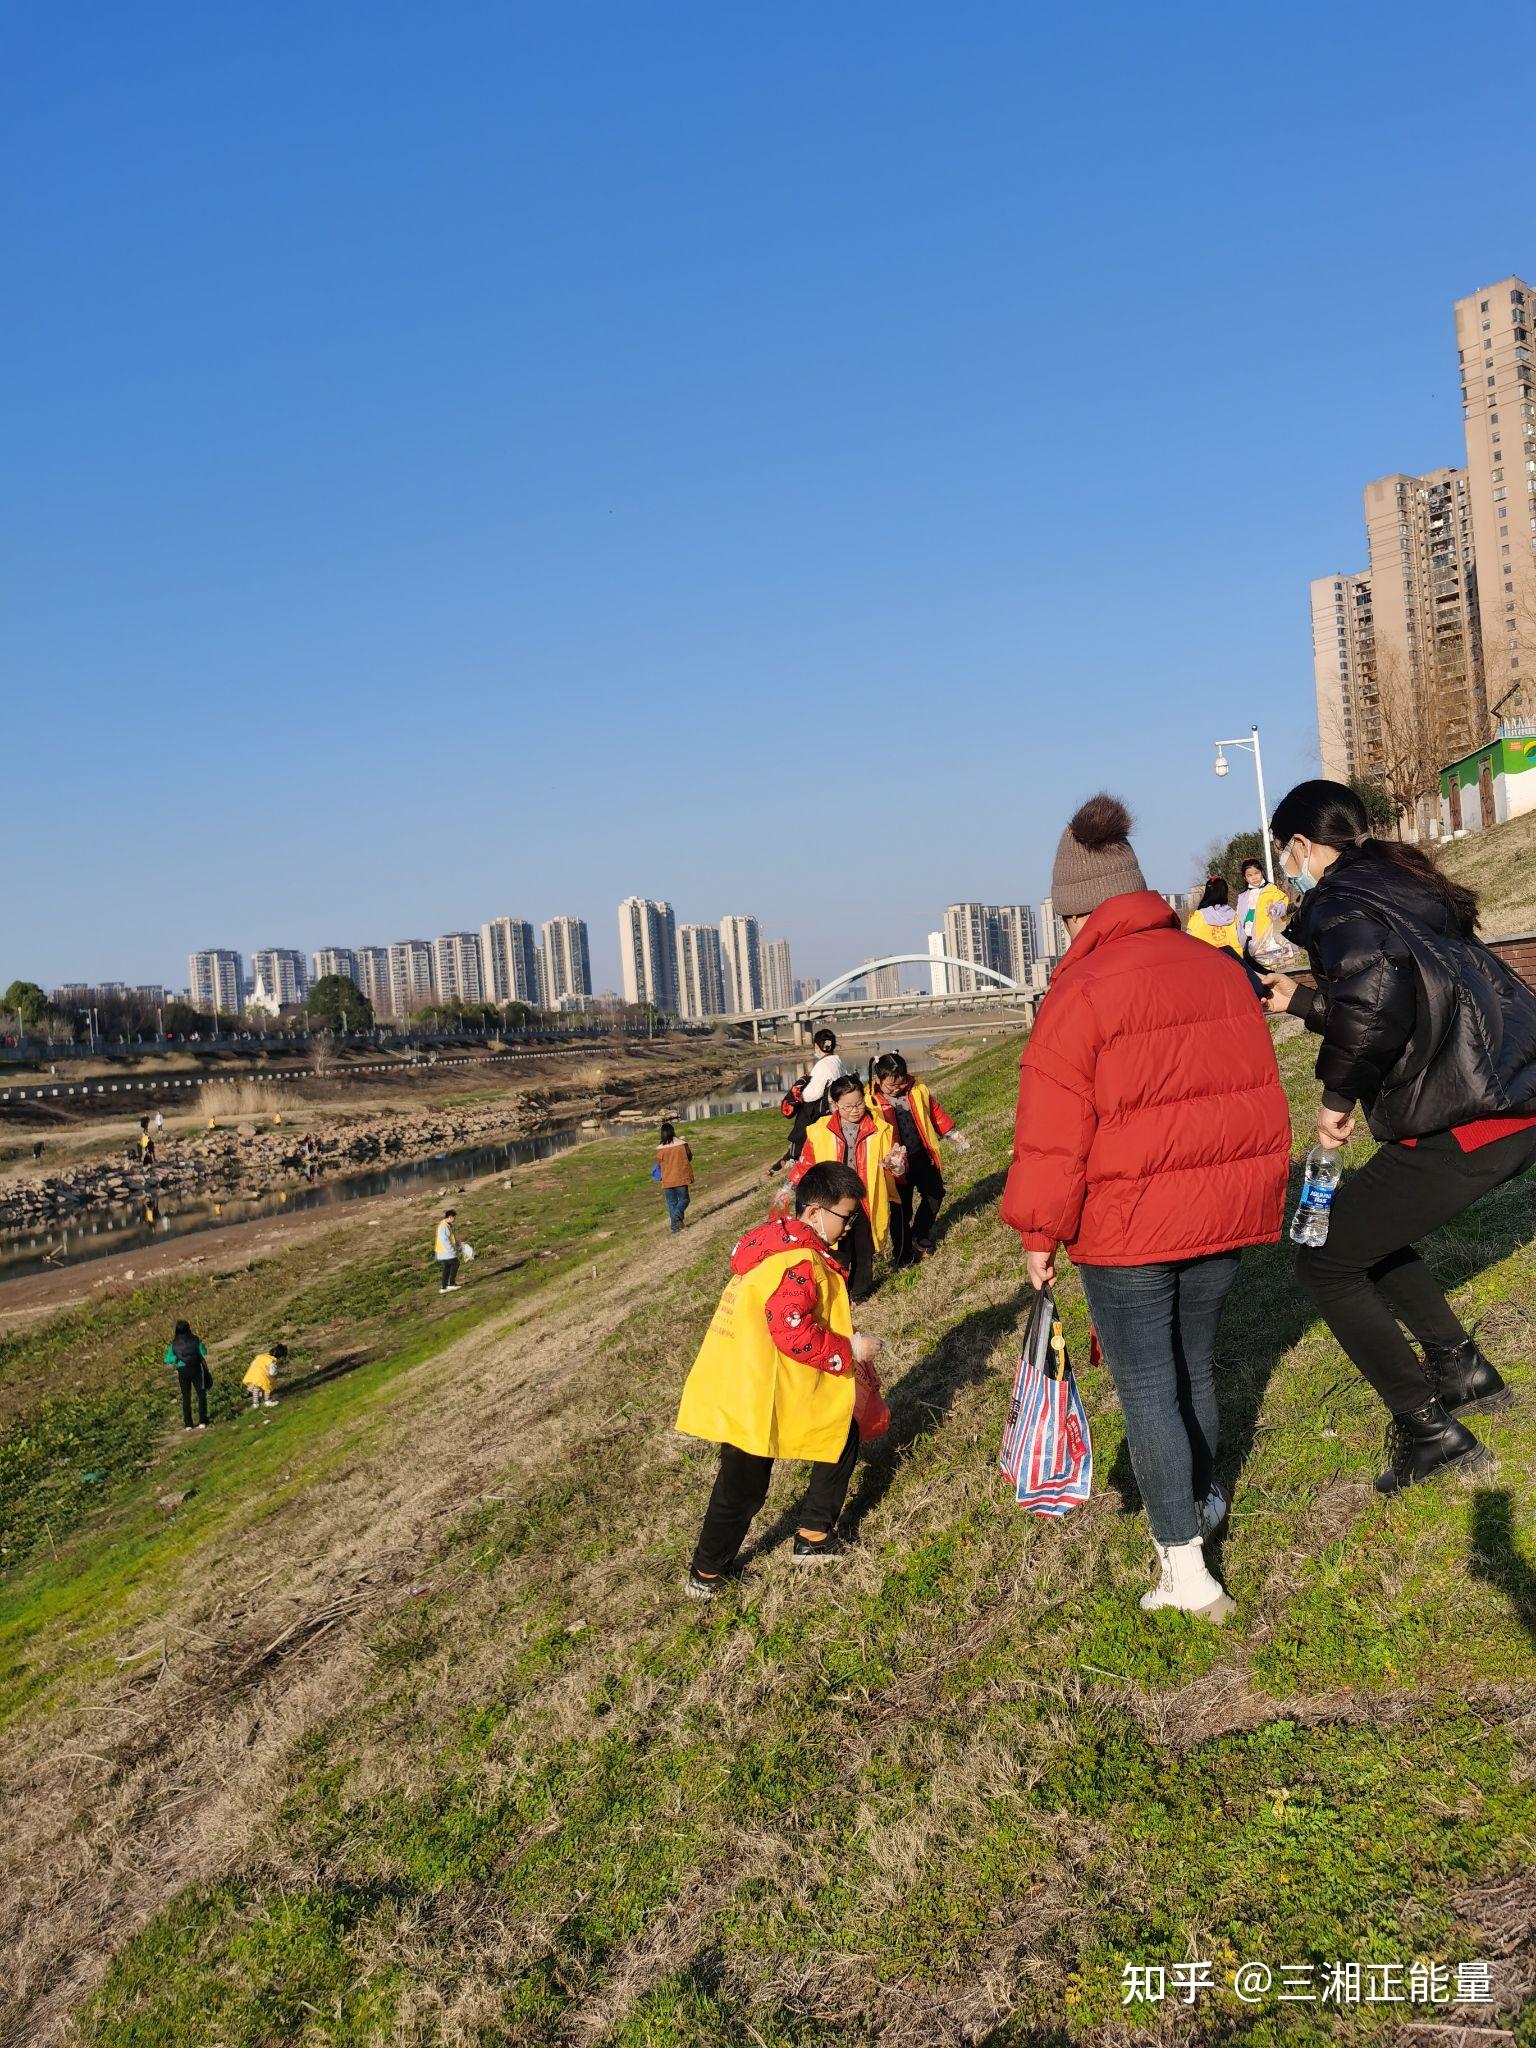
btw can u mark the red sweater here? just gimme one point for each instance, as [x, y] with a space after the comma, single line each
[1151, 1124]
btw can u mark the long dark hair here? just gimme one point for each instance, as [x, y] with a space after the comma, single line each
[1330, 814]
[667, 1134]
[1216, 891]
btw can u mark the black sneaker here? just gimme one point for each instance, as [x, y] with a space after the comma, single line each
[1426, 1442]
[817, 1553]
[1463, 1379]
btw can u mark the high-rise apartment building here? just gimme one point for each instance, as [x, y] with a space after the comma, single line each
[700, 971]
[1014, 947]
[1344, 676]
[410, 977]
[331, 960]
[1498, 403]
[1424, 609]
[880, 982]
[778, 975]
[215, 979]
[938, 973]
[509, 962]
[567, 961]
[280, 970]
[741, 950]
[1053, 932]
[996, 935]
[648, 952]
[456, 968]
[373, 979]
[965, 938]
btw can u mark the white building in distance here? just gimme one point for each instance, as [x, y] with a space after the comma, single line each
[700, 972]
[509, 962]
[335, 960]
[456, 967]
[741, 949]
[282, 972]
[648, 952]
[373, 979]
[410, 977]
[567, 968]
[778, 976]
[215, 979]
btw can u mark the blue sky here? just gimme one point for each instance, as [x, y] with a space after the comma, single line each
[495, 458]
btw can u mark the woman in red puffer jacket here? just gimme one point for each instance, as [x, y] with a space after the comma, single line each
[1153, 1139]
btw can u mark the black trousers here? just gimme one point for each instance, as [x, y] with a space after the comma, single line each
[449, 1269]
[923, 1185]
[859, 1252]
[190, 1377]
[741, 1487]
[1367, 1279]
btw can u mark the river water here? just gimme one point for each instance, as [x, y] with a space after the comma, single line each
[125, 1228]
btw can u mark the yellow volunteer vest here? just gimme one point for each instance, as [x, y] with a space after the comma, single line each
[823, 1141]
[741, 1390]
[920, 1102]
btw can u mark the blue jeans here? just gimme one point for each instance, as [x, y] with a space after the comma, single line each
[1157, 1329]
[677, 1202]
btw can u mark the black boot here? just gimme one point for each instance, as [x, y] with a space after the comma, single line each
[1463, 1379]
[1427, 1441]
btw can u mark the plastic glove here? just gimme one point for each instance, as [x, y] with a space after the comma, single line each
[959, 1140]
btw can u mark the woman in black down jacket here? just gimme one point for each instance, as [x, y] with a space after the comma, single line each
[1435, 1039]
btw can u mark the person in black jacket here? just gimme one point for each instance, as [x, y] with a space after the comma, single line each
[1434, 1038]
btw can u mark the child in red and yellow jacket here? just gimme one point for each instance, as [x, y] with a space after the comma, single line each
[774, 1377]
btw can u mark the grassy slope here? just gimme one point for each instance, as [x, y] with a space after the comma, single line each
[1501, 866]
[941, 1795]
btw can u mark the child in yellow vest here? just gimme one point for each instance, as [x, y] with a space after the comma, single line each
[774, 1377]
[864, 1142]
[258, 1375]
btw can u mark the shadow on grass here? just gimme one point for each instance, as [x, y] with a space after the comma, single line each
[922, 1397]
[1497, 1561]
[981, 1194]
[1267, 1314]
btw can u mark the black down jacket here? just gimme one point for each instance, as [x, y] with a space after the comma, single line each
[1422, 1026]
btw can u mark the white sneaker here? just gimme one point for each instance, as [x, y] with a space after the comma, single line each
[1213, 1511]
[1186, 1584]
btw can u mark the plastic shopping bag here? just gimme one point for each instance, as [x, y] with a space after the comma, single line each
[1047, 1449]
[466, 1252]
[869, 1410]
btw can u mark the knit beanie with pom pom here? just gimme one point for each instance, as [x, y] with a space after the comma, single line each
[1094, 860]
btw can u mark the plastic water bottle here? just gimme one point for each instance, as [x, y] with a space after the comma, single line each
[1324, 1172]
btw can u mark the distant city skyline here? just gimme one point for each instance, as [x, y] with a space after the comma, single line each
[397, 586]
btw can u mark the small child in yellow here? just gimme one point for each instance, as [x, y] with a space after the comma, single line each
[774, 1377]
[258, 1375]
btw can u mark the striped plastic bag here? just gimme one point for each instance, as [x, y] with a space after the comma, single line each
[1047, 1449]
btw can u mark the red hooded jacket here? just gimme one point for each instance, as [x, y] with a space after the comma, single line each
[1151, 1125]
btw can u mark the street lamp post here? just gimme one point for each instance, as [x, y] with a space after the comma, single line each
[1222, 767]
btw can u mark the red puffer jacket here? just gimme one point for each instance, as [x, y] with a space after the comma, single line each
[1151, 1125]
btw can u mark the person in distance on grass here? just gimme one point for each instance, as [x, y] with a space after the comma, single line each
[1434, 1038]
[1153, 1139]
[258, 1375]
[774, 1377]
[918, 1124]
[851, 1134]
[446, 1252]
[674, 1169]
[190, 1358]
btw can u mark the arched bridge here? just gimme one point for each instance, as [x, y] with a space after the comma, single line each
[868, 967]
